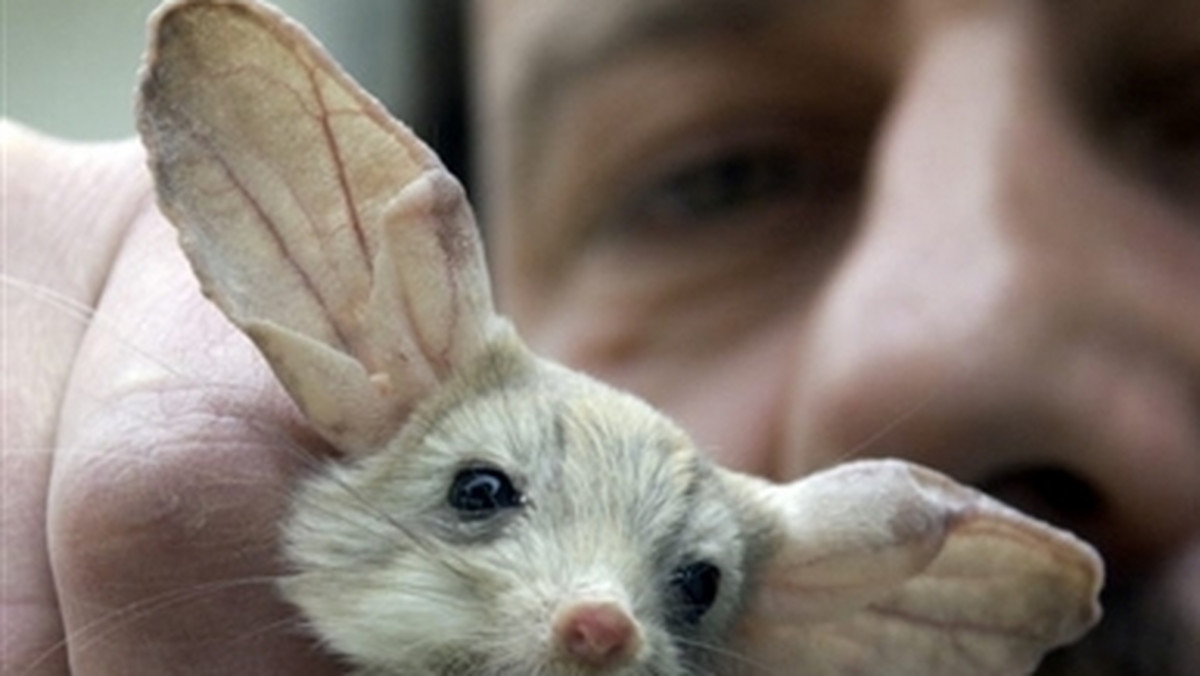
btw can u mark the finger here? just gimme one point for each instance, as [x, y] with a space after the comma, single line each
[51, 271]
[177, 453]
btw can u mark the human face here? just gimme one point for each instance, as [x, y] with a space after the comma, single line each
[963, 233]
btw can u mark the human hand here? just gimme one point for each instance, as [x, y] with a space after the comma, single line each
[148, 453]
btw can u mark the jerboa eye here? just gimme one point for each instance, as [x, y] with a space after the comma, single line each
[479, 492]
[696, 586]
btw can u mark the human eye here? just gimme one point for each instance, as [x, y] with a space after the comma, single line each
[741, 180]
[1163, 125]
[1140, 94]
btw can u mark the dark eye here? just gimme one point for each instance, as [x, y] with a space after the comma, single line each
[739, 179]
[697, 585]
[729, 182]
[479, 492]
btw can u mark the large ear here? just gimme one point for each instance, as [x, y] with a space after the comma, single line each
[324, 228]
[882, 567]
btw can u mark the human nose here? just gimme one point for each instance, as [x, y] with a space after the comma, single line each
[1015, 311]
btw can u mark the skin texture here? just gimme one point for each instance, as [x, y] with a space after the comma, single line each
[979, 402]
[110, 536]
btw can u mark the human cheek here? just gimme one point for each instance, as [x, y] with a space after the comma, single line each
[727, 398]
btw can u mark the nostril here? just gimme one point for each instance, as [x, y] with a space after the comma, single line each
[1052, 493]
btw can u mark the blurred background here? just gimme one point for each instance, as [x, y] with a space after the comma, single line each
[68, 67]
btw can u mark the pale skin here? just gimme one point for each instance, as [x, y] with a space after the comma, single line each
[1002, 327]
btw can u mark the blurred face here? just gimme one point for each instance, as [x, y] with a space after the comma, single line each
[963, 233]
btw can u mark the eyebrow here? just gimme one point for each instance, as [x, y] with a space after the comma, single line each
[557, 60]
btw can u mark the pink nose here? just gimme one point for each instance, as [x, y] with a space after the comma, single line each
[598, 634]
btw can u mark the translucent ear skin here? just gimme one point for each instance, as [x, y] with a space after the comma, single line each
[882, 567]
[320, 225]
